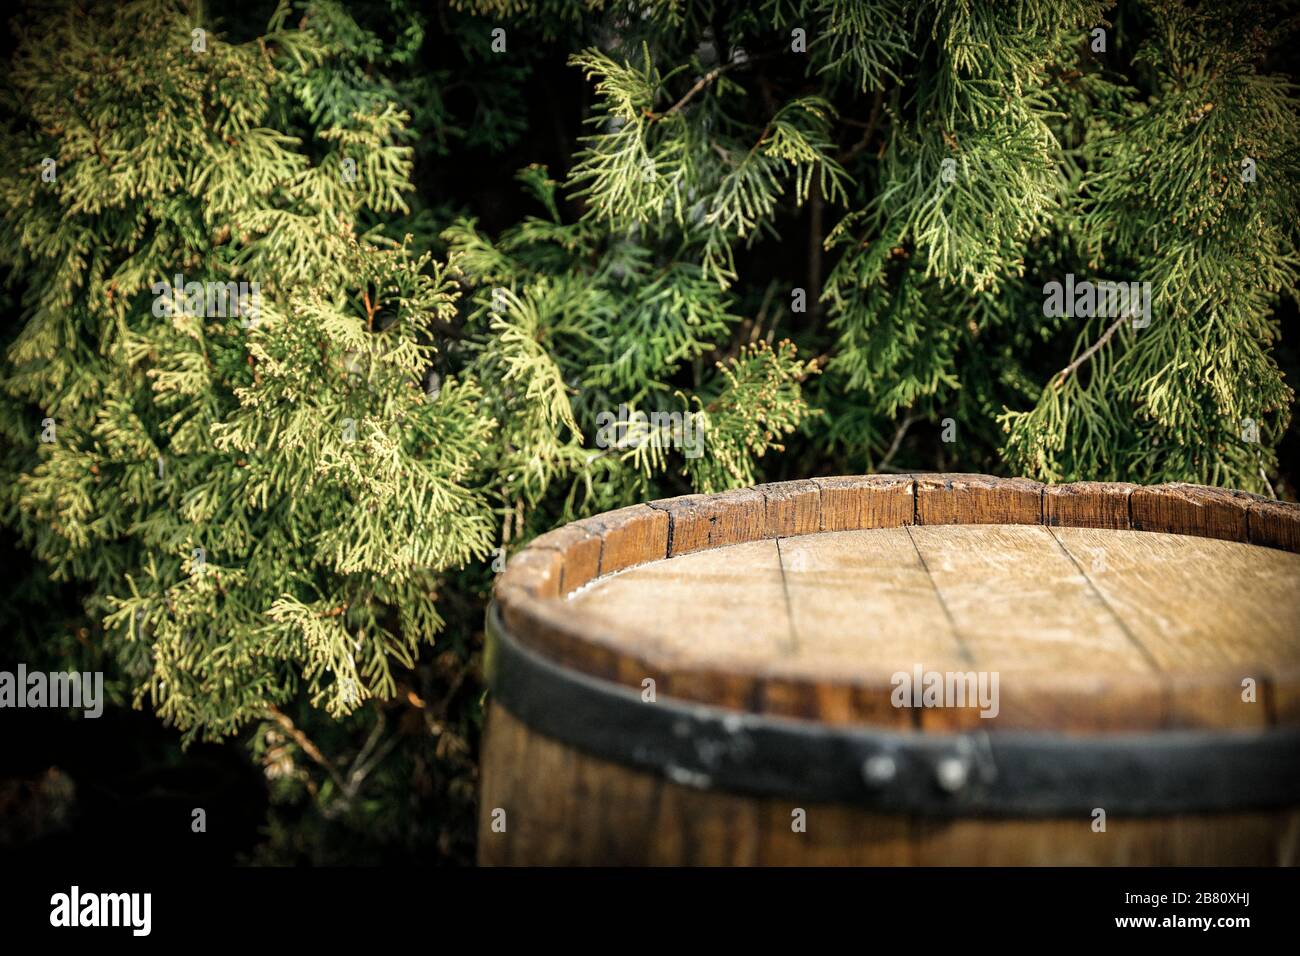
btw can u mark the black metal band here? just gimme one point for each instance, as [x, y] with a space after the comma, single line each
[949, 775]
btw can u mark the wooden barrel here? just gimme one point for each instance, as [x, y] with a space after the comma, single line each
[912, 669]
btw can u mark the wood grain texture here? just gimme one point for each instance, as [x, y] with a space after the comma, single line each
[561, 634]
[640, 533]
[1087, 628]
[721, 607]
[1082, 703]
[629, 536]
[536, 571]
[1274, 524]
[1022, 604]
[565, 808]
[1190, 509]
[1087, 504]
[853, 601]
[698, 522]
[791, 508]
[1211, 614]
[855, 502]
[977, 499]
[579, 551]
[1196, 605]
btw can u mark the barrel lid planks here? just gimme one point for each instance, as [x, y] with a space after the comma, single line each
[804, 598]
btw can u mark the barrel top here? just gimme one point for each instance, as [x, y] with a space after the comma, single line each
[1094, 607]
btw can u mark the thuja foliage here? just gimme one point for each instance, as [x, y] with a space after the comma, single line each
[254, 490]
[814, 234]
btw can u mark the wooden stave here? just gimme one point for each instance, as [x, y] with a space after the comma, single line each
[967, 773]
[566, 808]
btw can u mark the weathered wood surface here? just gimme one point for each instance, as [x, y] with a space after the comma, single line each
[564, 808]
[1045, 607]
[1103, 607]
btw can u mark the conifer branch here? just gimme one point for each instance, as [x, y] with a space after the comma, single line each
[306, 746]
[1060, 377]
[888, 459]
[702, 84]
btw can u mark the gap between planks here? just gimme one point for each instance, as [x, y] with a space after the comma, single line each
[792, 644]
[967, 655]
[1146, 653]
